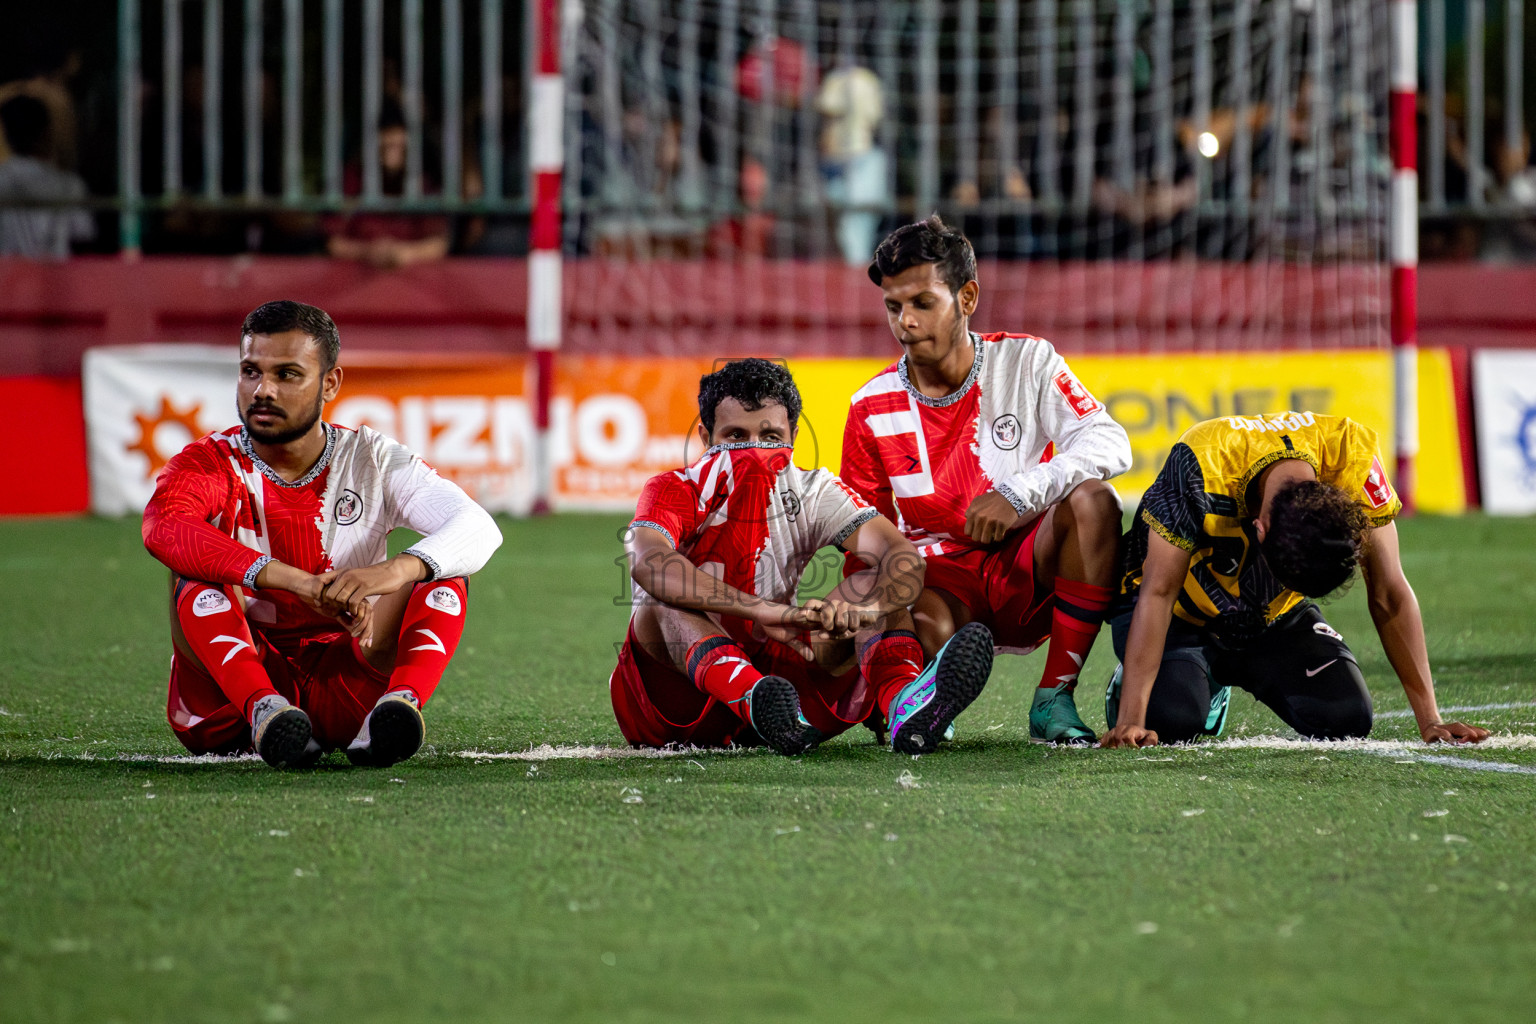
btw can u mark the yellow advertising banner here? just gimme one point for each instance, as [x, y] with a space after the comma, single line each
[1157, 397]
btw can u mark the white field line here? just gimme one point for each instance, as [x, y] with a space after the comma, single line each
[1500, 741]
[1414, 751]
[546, 752]
[1408, 712]
[1478, 766]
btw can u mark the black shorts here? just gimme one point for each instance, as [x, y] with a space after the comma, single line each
[1299, 666]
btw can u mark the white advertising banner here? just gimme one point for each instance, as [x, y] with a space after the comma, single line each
[1504, 391]
[145, 403]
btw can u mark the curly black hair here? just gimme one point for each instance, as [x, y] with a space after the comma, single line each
[752, 382]
[286, 315]
[1315, 536]
[927, 241]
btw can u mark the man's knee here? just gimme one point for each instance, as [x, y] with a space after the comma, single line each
[1338, 710]
[1181, 698]
[1094, 503]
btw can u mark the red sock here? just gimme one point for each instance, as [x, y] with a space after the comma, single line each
[429, 634]
[1075, 622]
[720, 667]
[889, 662]
[217, 632]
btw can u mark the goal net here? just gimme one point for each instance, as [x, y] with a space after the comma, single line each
[1136, 175]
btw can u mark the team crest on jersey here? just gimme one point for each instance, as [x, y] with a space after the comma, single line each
[210, 602]
[1323, 629]
[1377, 491]
[349, 508]
[444, 600]
[1077, 396]
[791, 505]
[1006, 431]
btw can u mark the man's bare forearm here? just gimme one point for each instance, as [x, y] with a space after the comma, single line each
[669, 577]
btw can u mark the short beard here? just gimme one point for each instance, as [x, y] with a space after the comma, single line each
[285, 435]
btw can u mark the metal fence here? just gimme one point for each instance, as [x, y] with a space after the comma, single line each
[1477, 143]
[278, 104]
[1053, 129]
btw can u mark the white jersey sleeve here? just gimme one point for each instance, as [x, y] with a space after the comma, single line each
[834, 511]
[458, 536]
[1090, 445]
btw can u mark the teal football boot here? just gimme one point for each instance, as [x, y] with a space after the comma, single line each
[1053, 718]
[923, 713]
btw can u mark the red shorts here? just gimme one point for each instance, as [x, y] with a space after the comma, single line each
[657, 705]
[324, 674]
[998, 587]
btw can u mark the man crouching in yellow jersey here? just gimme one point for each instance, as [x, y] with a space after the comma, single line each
[1250, 517]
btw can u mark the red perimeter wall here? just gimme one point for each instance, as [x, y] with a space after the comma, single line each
[51, 313]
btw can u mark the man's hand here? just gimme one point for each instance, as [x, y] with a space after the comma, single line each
[1453, 732]
[383, 253]
[357, 616]
[347, 592]
[990, 517]
[838, 619]
[787, 624]
[1129, 736]
[343, 587]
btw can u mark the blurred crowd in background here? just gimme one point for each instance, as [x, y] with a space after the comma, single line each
[771, 144]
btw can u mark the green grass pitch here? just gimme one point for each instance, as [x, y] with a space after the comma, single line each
[993, 881]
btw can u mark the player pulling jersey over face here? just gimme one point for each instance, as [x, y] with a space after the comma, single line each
[294, 632]
[1249, 517]
[718, 651]
[953, 442]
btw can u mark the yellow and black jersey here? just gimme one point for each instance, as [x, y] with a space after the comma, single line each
[1204, 501]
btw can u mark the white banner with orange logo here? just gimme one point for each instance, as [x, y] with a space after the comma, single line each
[143, 404]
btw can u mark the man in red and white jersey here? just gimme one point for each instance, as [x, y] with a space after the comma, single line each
[294, 632]
[992, 457]
[718, 652]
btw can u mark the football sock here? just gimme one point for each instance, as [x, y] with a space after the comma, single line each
[718, 666]
[216, 630]
[888, 662]
[429, 634]
[1075, 622]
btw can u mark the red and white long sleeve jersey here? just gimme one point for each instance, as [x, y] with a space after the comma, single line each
[922, 461]
[748, 516]
[219, 514]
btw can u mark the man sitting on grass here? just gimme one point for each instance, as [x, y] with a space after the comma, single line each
[275, 534]
[1250, 517]
[994, 459]
[718, 653]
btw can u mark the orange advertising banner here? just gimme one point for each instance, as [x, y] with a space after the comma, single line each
[614, 422]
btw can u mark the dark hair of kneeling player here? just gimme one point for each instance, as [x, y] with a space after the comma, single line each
[1315, 536]
[753, 383]
[926, 241]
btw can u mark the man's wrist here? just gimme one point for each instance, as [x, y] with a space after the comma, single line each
[430, 569]
[1012, 497]
[769, 613]
[411, 567]
[252, 578]
[277, 575]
